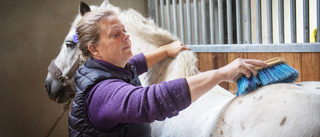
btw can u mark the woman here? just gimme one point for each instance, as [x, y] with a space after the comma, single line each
[110, 100]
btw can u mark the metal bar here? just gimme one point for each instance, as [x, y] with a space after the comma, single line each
[306, 21]
[151, 10]
[161, 14]
[318, 21]
[259, 26]
[168, 15]
[204, 23]
[181, 5]
[239, 22]
[281, 21]
[269, 21]
[196, 24]
[258, 48]
[174, 17]
[249, 29]
[229, 22]
[211, 14]
[293, 21]
[189, 22]
[221, 25]
[156, 8]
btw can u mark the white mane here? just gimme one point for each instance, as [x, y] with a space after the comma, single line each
[138, 27]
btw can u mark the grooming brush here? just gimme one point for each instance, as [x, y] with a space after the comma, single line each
[277, 71]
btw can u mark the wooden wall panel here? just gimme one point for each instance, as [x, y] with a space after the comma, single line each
[253, 56]
[293, 60]
[310, 69]
[316, 70]
[220, 60]
[266, 56]
[306, 66]
[205, 61]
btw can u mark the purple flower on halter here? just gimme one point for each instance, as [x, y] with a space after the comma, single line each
[75, 36]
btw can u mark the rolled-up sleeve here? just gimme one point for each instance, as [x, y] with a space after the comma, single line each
[139, 61]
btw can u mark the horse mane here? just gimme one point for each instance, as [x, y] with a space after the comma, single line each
[185, 63]
[145, 27]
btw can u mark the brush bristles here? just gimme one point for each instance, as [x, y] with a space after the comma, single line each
[279, 73]
[244, 84]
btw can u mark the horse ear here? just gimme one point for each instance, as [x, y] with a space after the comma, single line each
[105, 3]
[84, 8]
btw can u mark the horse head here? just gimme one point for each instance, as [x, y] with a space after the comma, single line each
[59, 83]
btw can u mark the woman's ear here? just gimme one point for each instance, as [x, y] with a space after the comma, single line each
[94, 51]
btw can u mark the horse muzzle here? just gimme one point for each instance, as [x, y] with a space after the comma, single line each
[59, 85]
[57, 91]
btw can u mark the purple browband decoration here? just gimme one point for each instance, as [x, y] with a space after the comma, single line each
[75, 36]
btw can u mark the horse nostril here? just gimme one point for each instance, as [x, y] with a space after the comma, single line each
[47, 86]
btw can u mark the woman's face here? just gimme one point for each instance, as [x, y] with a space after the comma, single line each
[114, 46]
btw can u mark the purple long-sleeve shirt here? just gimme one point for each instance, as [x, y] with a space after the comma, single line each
[114, 101]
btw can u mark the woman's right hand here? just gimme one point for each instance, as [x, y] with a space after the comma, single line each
[201, 83]
[240, 66]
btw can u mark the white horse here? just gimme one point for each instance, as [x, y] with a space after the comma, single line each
[274, 110]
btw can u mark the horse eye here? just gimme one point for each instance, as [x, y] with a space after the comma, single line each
[71, 44]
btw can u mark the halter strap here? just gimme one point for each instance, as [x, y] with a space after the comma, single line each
[57, 74]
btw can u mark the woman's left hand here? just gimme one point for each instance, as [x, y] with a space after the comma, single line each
[174, 48]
